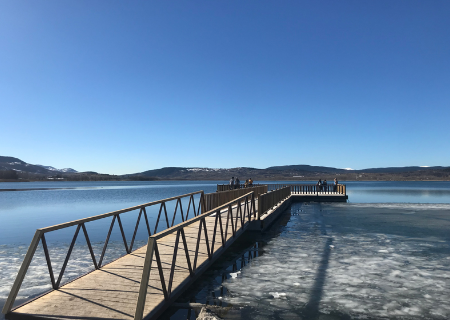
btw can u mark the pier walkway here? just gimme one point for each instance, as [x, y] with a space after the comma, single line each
[144, 282]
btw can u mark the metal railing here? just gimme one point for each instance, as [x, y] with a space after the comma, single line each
[244, 216]
[269, 200]
[39, 236]
[276, 186]
[296, 188]
[316, 189]
[216, 199]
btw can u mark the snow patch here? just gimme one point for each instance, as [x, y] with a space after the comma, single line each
[203, 169]
[66, 170]
[277, 295]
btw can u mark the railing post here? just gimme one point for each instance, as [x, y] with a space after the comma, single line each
[139, 313]
[22, 272]
[203, 204]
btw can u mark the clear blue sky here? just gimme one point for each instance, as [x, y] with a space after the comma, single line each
[122, 87]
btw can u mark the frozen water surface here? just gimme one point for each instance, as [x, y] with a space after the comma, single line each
[351, 261]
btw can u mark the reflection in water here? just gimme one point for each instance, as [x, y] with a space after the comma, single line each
[209, 288]
[223, 270]
[236, 268]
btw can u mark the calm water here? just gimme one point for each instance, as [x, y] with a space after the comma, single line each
[22, 212]
[392, 235]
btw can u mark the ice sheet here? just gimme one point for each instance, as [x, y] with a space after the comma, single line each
[352, 271]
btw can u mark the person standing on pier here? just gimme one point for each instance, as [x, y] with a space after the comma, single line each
[237, 183]
[250, 182]
[335, 185]
[324, 185]
[232, 183]
[319, 185]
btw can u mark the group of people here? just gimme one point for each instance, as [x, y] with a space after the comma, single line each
[235, 183]
[322, 185]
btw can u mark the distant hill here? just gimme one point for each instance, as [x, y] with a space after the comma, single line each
[11, 163]
[186, 173]
[299, 172]
[307, 168]
[400, 169]
[70, 170]
[26, 171]
[14, 169]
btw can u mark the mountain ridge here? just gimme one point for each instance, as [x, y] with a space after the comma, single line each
[285, 172]
[288, 172]
[16, 164]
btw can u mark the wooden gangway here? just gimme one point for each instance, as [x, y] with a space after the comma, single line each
[147, 280]
[144, 282]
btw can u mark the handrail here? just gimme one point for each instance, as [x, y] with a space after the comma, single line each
[80, 223]
[316, 189]
[108, 214]
[308, 188]
[215, 199]
[269, 200]
[276, 186]
[164, 233]
[244, 216]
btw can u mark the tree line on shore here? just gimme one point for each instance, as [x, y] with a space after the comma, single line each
[12, 175]
[8, 175]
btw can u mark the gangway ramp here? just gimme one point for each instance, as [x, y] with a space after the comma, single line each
[143, 283]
